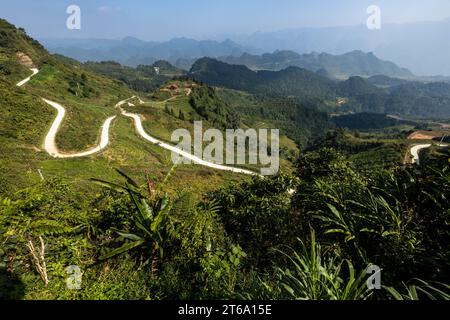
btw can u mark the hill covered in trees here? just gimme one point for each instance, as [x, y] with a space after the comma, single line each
[408, 99]
[355, 63]
[291, 81]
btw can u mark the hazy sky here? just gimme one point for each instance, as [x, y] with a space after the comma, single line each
[164, 19]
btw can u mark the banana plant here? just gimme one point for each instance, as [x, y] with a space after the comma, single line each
[150, 220]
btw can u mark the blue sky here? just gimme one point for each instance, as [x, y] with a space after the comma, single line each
[165, 19]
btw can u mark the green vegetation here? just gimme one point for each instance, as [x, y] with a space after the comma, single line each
[235, 242]
[298, 120]
[89, 99]
[366, 121]
[367, 152]
[166, 69]
[209, 106]
[140, 228]
[355, 63]
[291, 81]
[143, 78]
[409, 99]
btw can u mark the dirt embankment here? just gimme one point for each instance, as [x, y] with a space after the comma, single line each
[424, 135]
[25, 60]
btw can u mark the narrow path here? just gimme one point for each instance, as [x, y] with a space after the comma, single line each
[50, 139]
[35, 72]
[50, 143]
[141, 101]
[415, 152]
[52, 149]
[140, 129]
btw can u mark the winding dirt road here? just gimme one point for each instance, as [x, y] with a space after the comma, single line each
[50, 143]
[415, 152]
[50, 139]
[35, 72]
[52, 149]
[140, 129]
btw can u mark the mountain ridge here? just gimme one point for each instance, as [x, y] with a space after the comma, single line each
[290, 81]
[409, 44]
[356, 94]
[354, 63]
[131, 51]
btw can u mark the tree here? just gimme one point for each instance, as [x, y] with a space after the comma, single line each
[255, 215]
[84, 78]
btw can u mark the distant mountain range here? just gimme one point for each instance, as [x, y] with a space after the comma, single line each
[133, 52]
[371, 84]
[184, 52]
[355, 63]
[422, 47]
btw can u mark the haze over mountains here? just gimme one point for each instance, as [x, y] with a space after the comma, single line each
[409, 46]
[308, 77]
[184, 52]
[286, 73]
[133, 52]
[355, 63]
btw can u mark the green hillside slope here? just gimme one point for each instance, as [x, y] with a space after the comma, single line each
[291, 81]
[355, 63]
[89, 98]
[356, 94]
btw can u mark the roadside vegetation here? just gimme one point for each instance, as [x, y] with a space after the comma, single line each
[251, 240]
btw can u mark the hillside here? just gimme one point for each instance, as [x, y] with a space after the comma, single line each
[355, 63]
[356, 94]
[366, 121]
[291, 81]
[298, 120]
[89, 98]
[385, 81]
[142, 78]
[407, 99]
[166, 69]
[13, 43]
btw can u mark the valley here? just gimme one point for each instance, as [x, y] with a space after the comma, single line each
[87, 171]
